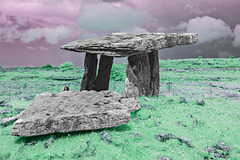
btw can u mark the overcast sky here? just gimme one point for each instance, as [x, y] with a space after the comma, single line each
[32, 31]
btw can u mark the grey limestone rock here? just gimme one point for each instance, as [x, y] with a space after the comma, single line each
[130, 89]
[195, 122]
[105, 136]
[185, 140]
[8, 120]
[72, 111]
[65, 88]
[131, 103]
[49, 142]
[127, 44]
[164, 137]
[223, 147]
[90, 65]
[104, 71]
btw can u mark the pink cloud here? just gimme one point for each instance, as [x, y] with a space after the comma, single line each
[51, 35]
[236, 42]
[106, 17]
[52, 12]
[209, 29]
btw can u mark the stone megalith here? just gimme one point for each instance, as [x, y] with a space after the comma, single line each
[70, 111]
[142, 53]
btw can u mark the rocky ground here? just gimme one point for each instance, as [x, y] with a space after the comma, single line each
[196, 116]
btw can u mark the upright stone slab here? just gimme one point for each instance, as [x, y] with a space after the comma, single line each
[140, 67]
[154, 71]
[90, 65]
[104, 71]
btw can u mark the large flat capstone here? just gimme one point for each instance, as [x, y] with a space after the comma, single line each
[127, 44]
[72, 111]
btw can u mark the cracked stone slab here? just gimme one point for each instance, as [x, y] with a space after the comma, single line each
[127, 44]
[70, 111]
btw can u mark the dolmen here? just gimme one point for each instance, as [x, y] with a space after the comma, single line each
[70, 111]
[94, 107]
[142, 75]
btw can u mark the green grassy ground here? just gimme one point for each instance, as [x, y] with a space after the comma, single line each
[218, 118]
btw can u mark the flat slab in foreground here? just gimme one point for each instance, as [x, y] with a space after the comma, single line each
[72, 111]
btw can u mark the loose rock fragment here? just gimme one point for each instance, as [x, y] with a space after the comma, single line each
[183, 100]
[200, 102]
[105, 136]
[5, 121]
[185, 140]
[31, 143]
[195, 122]
[137, 135]
[158, 123]
[163, 158]
[223, 147]
[164, 137]
[180, 123]
[65, 88]
[49, 142]
[190, 116]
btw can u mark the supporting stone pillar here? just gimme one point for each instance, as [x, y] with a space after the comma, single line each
[104, 71]
[154, 69]
[138, 73]
[90, 65]
[142, 75]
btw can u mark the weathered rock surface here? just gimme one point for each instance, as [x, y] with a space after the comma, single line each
[139, 73]
[90, 65]
[72, 111]
[154, 72]
[164, 137]
[65, 88]
[104, 71]
[131, 89]
[220, 150]
[127, 44]
[185, 140]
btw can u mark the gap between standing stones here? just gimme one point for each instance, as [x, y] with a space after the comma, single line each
[142, 72]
